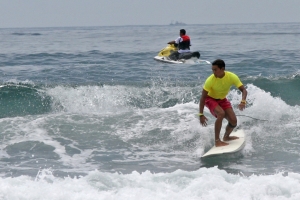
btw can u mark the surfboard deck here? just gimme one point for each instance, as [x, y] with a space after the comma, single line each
[167, 60]
[234, 145]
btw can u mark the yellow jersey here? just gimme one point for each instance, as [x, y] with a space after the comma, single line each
[218, 88]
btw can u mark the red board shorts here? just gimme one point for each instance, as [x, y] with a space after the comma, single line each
[212, 103]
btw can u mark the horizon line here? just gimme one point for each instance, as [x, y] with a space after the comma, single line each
[86, 26]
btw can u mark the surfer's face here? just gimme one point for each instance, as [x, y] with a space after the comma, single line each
[219, 73]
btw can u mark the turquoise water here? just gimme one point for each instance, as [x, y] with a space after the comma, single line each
[87, 110]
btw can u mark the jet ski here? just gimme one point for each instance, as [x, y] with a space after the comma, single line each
[190, 57]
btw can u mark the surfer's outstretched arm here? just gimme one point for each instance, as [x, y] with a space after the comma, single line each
[242, 105]
[202, 118]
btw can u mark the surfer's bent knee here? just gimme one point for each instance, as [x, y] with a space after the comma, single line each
[230, 125]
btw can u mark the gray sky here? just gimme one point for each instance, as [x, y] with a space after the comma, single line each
[53, 13]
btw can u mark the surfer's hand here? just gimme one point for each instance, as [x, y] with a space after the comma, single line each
[203, 120]
[242, 106]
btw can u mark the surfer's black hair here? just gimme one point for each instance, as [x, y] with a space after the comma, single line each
[182, 31]
[220, 63]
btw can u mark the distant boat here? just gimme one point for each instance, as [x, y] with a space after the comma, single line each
[177, 23]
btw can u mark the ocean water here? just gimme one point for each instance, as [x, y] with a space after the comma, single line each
[86, 113]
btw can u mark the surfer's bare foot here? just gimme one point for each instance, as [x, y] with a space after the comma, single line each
[228, 138]
[219, 143]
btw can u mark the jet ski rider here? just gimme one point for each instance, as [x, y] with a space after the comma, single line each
[183, 43]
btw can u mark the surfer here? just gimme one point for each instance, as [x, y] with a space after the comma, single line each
[183, 43]
[215, 90]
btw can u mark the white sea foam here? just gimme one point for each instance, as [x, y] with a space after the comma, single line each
[208, 184]
[89, 99]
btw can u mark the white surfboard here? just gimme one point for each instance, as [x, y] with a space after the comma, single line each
[234, 145]
[167, 60]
